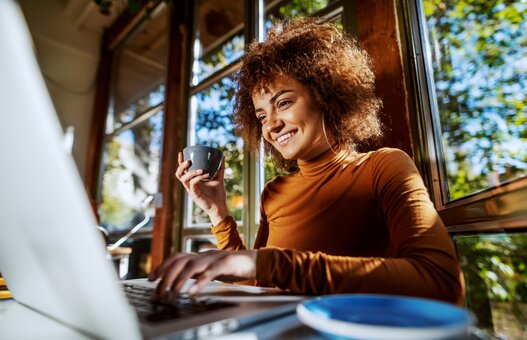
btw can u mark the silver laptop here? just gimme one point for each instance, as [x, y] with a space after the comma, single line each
[51, 255]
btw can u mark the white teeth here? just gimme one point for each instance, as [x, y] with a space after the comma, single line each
[284, 137]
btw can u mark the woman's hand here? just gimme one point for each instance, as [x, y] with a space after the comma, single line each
[176, 270]
[208, 195]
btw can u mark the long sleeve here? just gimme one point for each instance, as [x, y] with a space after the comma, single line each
[419, 261]
[226, 233]
[227, 237]
[263, 230]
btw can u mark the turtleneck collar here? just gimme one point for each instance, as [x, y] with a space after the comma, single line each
[321, 163]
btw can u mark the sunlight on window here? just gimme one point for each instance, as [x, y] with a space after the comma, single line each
[219, 37]
[479, 58]
[121, 116]
[292, 8]
[131, 169]
[211, 115]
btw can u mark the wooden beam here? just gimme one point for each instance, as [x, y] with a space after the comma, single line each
[168, 214]
[377, 31]
[100, 109]
[111, 38]
[127, 22]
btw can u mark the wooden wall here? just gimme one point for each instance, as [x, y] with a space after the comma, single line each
[377, 31]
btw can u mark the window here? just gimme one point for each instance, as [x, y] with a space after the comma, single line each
[131, 167]
[496, 281]
[218, 44]
[478, 53]
[218, 37]
[134, 127]
[286, 9]
[469, 63]
[220, 34]
[211, 125]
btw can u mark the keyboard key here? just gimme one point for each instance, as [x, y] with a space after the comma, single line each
[140, 297]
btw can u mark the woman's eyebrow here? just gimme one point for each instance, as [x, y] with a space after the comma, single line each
[278, 94]
[273, 99]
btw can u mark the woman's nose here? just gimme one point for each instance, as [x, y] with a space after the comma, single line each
[274, 123]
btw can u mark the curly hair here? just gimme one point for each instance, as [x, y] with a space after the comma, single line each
[330, 63]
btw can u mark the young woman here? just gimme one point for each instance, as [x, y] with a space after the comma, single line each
[346, 219]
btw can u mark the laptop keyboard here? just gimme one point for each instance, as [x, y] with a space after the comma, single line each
[140, 297]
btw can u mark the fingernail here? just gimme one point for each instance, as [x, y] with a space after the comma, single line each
[193, 289]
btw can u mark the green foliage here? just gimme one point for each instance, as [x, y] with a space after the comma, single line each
[301, 7]
[214, 128]
[126, 181]
[479, 53]
[271, 171]
[113, 210]
[221, 56]
[495, 271]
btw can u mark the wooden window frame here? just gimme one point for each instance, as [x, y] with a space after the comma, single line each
[165, 221]
[501, 208]
[374, 25]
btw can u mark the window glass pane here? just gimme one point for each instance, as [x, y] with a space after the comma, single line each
[131, 167]
[199, 244]
[496, 281]
[219, 39]
[134, 110]
[337, 20]
[286, 9]
[211, 110]
[479, 59]
[140, 71]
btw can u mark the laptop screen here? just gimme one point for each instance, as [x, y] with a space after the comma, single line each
[51, 254]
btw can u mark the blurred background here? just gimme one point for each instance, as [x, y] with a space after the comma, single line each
[133, 82]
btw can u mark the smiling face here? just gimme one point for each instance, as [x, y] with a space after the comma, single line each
[291, 121]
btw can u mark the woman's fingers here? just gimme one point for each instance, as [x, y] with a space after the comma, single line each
[159, 271]
[210, 273]
[193, 267]
[179, 157]
[176, 271]
[188, 176]
[170, 274]
[204, 267]
[182, 169]
[196, 179]
[235, 265]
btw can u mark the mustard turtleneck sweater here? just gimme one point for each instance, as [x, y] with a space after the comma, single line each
[352, 223]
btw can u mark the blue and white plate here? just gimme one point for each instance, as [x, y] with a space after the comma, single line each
[369, 316]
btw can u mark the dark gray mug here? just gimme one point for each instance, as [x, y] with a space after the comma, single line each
[203, 157]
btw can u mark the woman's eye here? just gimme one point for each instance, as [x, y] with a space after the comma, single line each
[261, 118]
[284, 103]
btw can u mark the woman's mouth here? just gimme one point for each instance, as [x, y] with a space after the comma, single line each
[284, 139]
